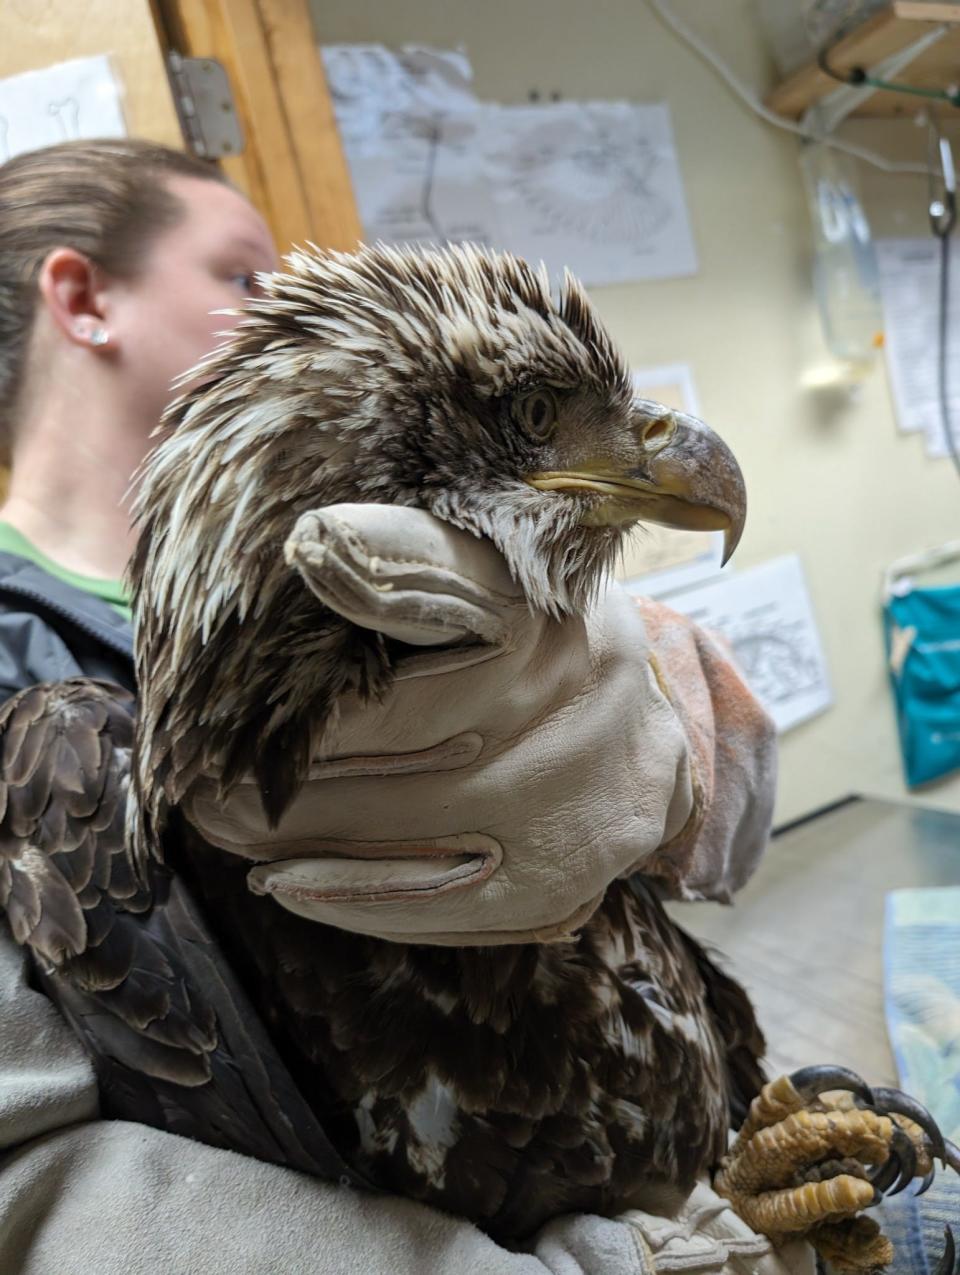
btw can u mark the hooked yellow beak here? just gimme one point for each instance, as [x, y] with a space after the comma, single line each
[683, 476]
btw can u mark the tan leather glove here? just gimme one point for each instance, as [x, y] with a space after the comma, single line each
[517, 766]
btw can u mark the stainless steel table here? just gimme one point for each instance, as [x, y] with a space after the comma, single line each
[805, 936]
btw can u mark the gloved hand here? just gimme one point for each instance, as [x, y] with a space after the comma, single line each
[518, 764]
[705, 1237]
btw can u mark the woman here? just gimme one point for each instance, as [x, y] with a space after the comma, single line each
[113, 256]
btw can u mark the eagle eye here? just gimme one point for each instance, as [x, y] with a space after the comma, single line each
[536, 414]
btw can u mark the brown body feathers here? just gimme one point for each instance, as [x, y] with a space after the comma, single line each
[507, 1084]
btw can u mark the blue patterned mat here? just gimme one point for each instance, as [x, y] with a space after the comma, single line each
[921, 958]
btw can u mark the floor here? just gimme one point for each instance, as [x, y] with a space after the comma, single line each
[805, 936]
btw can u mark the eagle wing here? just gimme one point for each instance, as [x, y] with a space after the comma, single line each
[64, 776]
[741, 1040]
[120, 947]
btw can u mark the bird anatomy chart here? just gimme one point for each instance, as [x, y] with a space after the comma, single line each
[59, 103]
[766, 617]
[593, 186]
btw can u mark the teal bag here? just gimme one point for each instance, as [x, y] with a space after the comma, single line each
[922, 634]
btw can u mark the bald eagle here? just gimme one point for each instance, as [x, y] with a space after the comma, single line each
[507, 1084]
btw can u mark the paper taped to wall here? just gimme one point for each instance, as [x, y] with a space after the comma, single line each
[659, 560]
[59, 103]
[593, 186]
[766, 616]
[370, 83]
[409, 122]
[910, 288]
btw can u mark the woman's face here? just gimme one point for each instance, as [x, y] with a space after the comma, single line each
[162, 322]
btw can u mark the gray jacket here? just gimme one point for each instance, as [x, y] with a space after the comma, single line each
[83, 1195]
[50, 631]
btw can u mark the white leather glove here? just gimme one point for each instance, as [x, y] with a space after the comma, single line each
[516, 767]
[706, 1237]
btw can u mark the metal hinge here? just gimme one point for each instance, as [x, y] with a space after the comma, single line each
[205, 105]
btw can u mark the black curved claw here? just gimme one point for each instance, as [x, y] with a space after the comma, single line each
[892, 1101]
[926, 1184]
[951, 1155]
[884, 1177]
[810, 1082]
[948, 1262]
[900, 1167]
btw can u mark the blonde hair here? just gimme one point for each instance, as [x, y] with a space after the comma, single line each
[104, 198]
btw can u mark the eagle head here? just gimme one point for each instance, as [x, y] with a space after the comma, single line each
[455, 381]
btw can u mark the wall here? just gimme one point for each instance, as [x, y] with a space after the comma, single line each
[828, 474]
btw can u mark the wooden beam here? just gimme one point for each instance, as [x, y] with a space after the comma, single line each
[299, 74]
[927, 10]
[252, 74]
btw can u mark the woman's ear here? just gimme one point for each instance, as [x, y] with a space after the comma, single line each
[72, 290]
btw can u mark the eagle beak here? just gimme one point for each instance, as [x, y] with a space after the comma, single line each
[682, 475]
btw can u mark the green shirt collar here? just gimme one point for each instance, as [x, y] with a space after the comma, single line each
[111, 591]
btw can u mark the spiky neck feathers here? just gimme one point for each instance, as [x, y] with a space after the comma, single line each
[381, 376]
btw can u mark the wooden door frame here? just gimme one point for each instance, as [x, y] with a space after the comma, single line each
[292, 166]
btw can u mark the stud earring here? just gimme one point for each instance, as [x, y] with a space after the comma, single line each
[96, 336]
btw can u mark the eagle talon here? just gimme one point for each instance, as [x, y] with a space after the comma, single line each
[892, 1102]
[890, 1179]
[948, 1261]
[926, 1183]
[900, 1168]
[811, 1082]
[818, 1148]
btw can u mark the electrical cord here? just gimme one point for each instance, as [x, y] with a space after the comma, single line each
[859, 77]
[747, 95]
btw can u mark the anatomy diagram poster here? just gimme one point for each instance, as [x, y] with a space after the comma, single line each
[593, 186]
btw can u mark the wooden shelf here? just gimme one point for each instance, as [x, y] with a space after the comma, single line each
[880, 36]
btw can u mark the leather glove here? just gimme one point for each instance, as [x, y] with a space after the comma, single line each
[517, 765]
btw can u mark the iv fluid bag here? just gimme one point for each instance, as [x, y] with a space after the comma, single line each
[845, 275]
